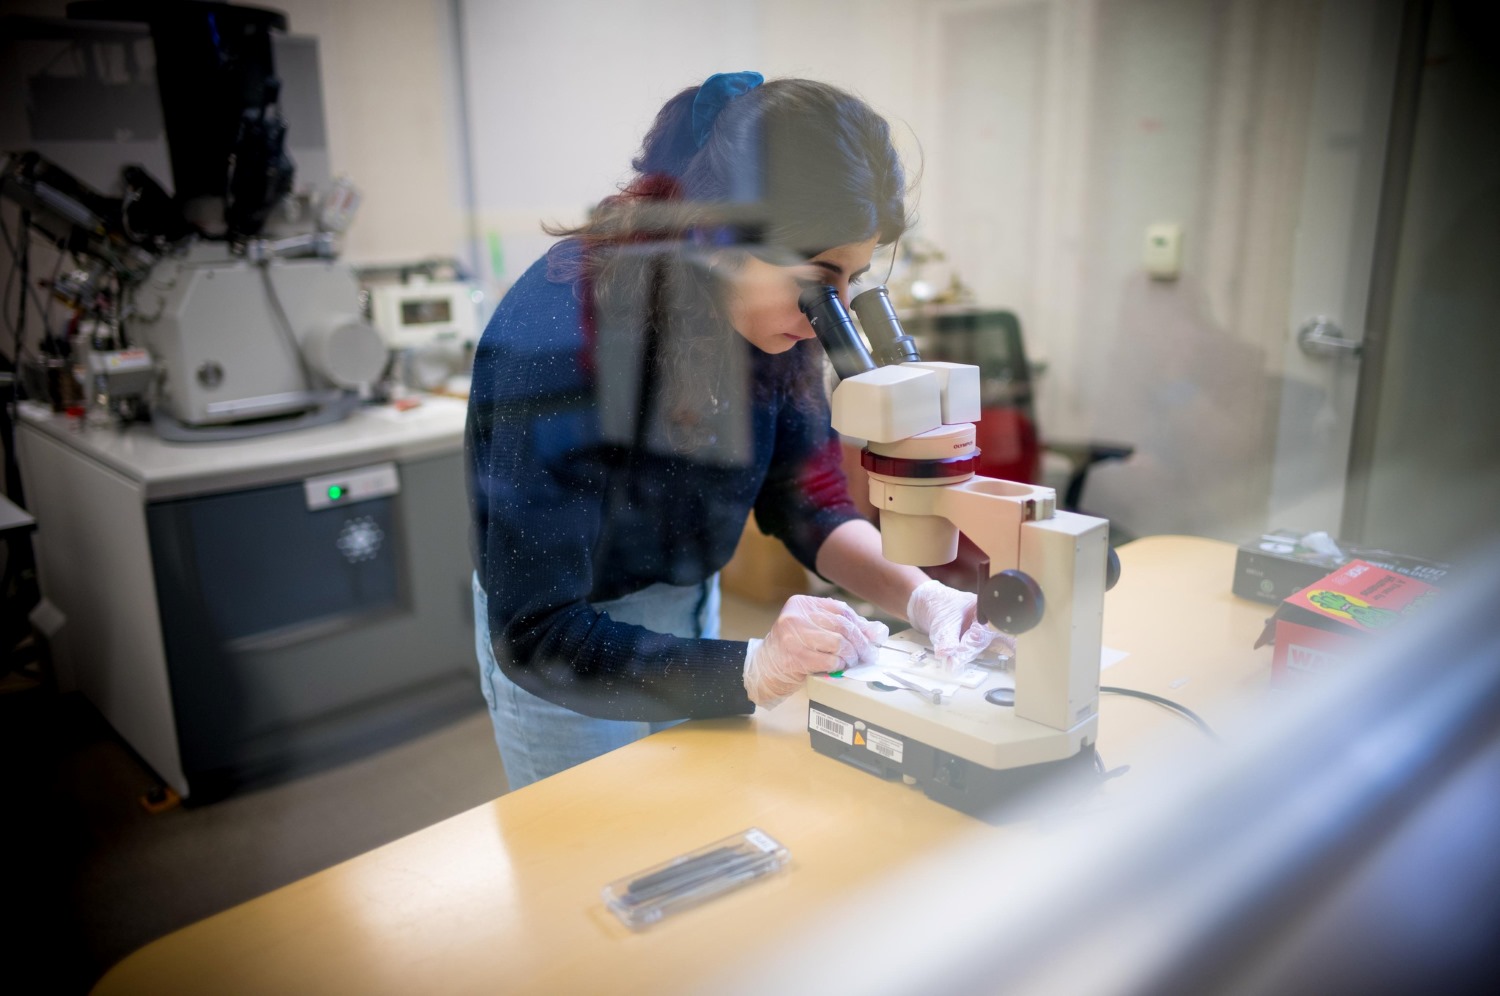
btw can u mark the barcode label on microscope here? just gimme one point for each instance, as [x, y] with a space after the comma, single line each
[826, 724]
[883, 745]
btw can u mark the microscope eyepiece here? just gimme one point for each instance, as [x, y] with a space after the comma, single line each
[888, 341]
[835, 330]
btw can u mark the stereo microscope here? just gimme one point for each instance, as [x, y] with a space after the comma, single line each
[979, 738]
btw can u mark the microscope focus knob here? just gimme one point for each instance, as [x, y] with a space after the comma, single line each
[1111, 570]
[1011, 601]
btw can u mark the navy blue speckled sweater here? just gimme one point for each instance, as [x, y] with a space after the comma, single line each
[581, 492]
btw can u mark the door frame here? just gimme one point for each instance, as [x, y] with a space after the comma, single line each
[1401, 140]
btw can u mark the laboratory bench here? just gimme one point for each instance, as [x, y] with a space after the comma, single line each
[507, 895]
[240, 610]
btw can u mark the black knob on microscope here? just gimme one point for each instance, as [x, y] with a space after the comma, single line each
[1011, 601]
[1111, 570]
[889, 343]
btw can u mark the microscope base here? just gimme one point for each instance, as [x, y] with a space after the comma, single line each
[966, 753]
[962, 784]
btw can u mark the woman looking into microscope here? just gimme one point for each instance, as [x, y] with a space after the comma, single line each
[644, 388]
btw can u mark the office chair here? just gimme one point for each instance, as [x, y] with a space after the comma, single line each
[1010, 446]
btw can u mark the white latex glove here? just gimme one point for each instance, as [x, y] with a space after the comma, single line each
[811, 636]
[949, 618]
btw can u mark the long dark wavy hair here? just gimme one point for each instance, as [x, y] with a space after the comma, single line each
[788, 169]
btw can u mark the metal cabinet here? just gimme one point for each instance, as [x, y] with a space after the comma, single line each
[243, 610]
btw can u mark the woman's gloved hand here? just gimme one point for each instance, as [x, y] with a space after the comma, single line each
[948, 617]
[811, 636]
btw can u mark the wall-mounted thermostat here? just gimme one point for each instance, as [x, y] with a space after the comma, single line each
[1164, 250]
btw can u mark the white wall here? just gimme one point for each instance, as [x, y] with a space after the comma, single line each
[389, 91]
[1168, 366]
[560, 94]
[1061, 130]
[1048, 134]
[562, 91]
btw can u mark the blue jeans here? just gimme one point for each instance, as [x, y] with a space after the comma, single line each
[538, 738]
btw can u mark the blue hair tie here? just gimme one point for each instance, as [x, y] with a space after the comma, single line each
[716, 91]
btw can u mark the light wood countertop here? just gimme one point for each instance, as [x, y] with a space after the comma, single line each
[505, 897]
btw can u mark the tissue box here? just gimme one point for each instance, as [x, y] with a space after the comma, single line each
[1319, 627]
[1278, 564]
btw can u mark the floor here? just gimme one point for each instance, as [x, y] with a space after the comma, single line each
[91, 875]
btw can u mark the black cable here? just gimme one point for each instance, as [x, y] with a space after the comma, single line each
[21, 255]
[23, 264]
[45, 303]
[124, 340]
[1177, 707]
[1105, 772]
[4, 179]
[39, 302]
[10, 279]
[13, 488]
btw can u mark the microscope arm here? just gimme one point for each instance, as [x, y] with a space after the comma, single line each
[917, 418]
[1032, 549]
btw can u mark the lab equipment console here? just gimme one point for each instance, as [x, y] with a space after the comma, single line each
[250, 609]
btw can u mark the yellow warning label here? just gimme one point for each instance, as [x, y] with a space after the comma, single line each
[859, 739]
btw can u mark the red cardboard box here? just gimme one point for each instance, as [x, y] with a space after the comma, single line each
[1319, 627]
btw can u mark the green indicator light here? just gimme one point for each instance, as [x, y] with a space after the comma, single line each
[335, 492]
